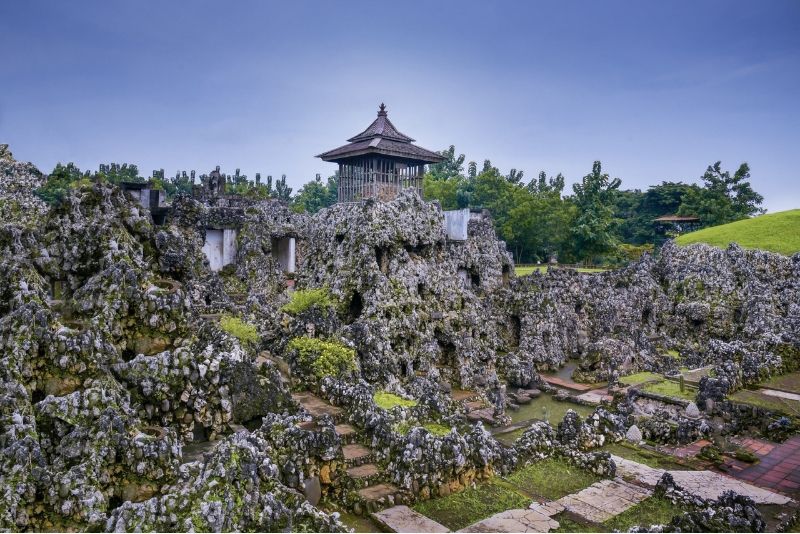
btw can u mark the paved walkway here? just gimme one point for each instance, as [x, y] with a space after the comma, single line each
[404, 519]
[704, 484]
[603, 500]
[779, 469]
[517, 520]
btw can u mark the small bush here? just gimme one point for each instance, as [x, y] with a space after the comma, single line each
[303, 299]
[320, 358]
[246, 333]
[387, 401]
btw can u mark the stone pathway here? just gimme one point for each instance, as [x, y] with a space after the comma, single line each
[780, 394]
[517, 520]
[779, 468]
[404, 519]
[603, 500]
[596, 396]
[704, 484]
[568, 384]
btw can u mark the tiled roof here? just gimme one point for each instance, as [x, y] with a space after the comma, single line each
[381, 137]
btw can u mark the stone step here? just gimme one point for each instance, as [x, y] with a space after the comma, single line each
[346, 433]
[365, 474]
[485, 415]
[464, 395]
[356, 455]
[474, 405]
[317, 407]
[378, 496]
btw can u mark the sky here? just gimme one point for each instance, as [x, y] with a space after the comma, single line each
[655, 90]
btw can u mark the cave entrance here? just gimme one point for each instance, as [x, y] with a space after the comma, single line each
[356, 306]
[506, 275]
[474, 280]
[516, 330]
[382, 258]
[284, 253]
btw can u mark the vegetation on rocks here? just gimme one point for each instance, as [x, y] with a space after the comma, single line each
[323, 358]
[387, 401]
[303, 299]
[246, 333]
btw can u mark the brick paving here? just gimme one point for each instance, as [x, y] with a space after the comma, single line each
[778, 470]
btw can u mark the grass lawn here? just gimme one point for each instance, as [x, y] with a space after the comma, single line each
[551, 479]
[639, 378]
[651, 511]
[464, 508]
[387, 400]
[777, 232]
[768, 402]
[789, 382]
[567, 524]
[672, 389]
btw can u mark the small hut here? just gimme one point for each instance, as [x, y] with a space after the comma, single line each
[379, 162]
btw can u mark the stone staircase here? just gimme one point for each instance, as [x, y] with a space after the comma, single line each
[372, 491]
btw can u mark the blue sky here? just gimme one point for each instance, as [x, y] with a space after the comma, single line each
[655, 90]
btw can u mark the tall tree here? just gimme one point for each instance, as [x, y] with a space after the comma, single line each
[724, 198]
[594, 227]
[451, 167]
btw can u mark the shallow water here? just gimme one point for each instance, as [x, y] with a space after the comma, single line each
[546, 408]
[543, 408]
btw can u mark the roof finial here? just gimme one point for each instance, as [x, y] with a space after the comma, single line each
[382, 110]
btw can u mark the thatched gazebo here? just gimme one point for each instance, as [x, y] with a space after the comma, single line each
[379, 162]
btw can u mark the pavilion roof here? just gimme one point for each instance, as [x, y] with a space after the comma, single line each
[381, 137]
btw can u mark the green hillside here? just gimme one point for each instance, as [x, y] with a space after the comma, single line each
[777, 232]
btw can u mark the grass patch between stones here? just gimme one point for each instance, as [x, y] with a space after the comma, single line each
[639, 378]
[643, 456]
[768, 402]
[651, 511]
[387, 401]
[551, 479]
[464, 508]
[668, 388]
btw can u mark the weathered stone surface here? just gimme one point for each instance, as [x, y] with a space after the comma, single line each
[603, 500]
[404, 519]
[518, 520]
[633, 434]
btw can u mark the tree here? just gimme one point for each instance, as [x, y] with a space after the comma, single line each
[724, 198]
[594, 227]
[283, 191]
[315, 195]
[451, 167]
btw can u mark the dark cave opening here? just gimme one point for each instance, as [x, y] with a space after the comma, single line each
[356, 306]
[382, 257]
[516, 330]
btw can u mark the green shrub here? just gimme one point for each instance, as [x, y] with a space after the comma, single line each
[320, 358]
[387, 401]
[246, 333]
[303, 299]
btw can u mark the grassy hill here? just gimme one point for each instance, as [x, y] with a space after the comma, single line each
[776, 232]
